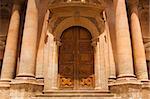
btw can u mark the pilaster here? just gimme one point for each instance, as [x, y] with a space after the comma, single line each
[101, 82]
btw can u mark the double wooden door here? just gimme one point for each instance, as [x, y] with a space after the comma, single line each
[76, 58]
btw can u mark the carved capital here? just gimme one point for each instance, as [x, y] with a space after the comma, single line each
[94, 42]
[58, 42]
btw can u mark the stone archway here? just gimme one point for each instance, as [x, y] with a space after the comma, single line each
[76, 21]
[59, 22]
[51, 68]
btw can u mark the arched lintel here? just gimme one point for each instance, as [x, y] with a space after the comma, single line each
[76, 21]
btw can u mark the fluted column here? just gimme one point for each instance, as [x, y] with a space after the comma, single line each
[124, 52]
[9, 61]
[137, 42]
[28, 50]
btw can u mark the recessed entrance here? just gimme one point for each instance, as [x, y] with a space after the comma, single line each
[76, 59]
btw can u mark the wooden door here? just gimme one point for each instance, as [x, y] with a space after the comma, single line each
[76, 68]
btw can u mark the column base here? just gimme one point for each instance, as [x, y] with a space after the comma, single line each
[144, 80]
[146, 84]
[4, 83]
[40, 80]
[25, 76]
[126, 78]
[112, 80]
[5, 80]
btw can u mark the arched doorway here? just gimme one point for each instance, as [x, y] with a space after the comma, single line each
[76, 59]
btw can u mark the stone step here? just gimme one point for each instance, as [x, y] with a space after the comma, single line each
[88, 97]
[68, 94]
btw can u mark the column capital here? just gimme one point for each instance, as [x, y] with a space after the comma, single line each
[58, 42]
[94, 41]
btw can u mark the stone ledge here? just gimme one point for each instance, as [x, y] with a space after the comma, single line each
[32, 82]
[125, 81]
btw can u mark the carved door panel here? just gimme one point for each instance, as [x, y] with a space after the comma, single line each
[76, 69]
[85, 66]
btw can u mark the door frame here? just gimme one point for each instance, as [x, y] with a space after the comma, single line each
[76, 40]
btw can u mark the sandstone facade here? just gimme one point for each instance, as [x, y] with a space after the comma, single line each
[74, 49]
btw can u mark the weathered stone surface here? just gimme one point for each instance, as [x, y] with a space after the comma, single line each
[127, 91]
[32, 63]
[24, 89]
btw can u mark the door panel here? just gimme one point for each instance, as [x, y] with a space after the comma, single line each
[76, 68]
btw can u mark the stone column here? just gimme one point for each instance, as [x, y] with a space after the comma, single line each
[9, 61]
[28, 50]
[137, 42]
[124, 52]
[101, 82]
